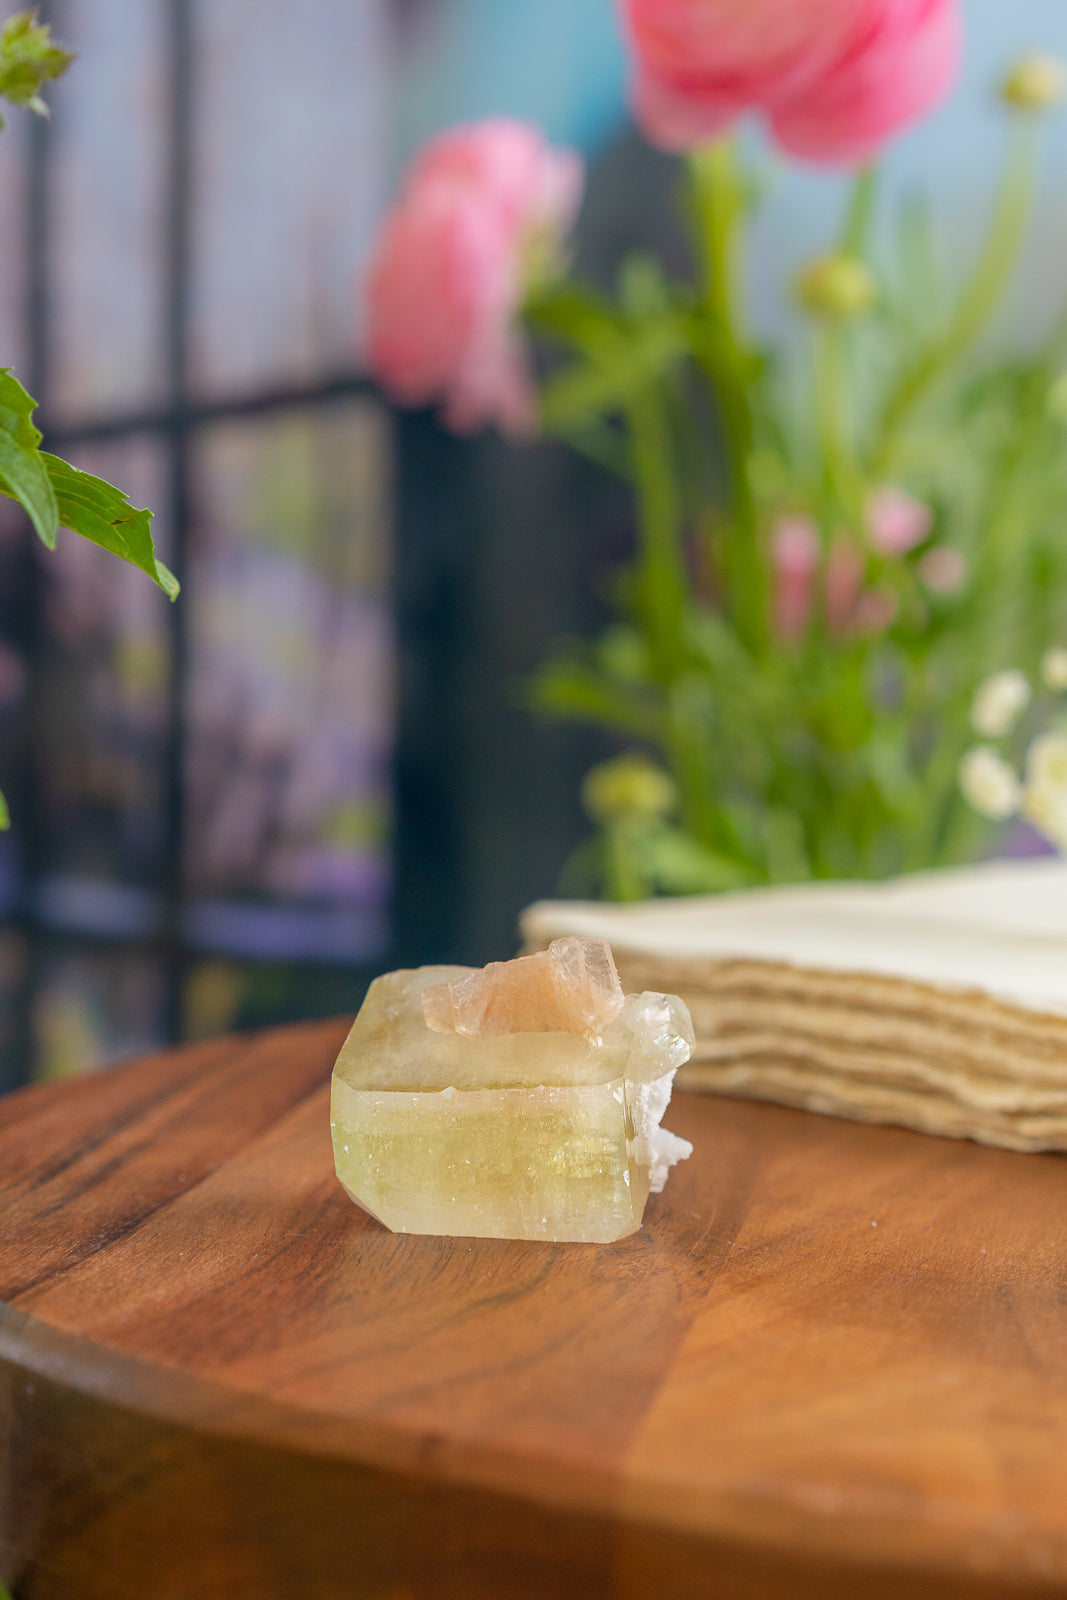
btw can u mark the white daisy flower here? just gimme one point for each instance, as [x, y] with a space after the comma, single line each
[1000, 701]
[989, 784]
[1054, 669]
[1045, 790]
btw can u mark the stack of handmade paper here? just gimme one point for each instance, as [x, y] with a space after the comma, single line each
[938, 1002]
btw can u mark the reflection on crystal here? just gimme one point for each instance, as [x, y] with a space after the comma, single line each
[525, 1135]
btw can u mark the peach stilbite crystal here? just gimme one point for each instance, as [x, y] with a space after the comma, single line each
[540, 1132]
[572, 987]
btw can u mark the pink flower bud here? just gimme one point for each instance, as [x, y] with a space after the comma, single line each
[844, 582]
[481, 206]
[795, 555]
[875, 610]
[896, 522]
[943, 571]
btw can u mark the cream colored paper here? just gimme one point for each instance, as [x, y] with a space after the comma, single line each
[937, 1001]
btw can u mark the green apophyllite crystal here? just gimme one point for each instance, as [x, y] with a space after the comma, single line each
[525, 1135]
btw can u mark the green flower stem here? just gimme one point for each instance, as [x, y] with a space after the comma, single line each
[719, 204]
[664, 601]
[843, 479]
[956, 830]
[623, 878]
[994, 578]
[999, 622]
[686, 753]
[1055, 346]
[662, 579]
[844, 484]
[845, 475]
[855, 233]
[980, 298]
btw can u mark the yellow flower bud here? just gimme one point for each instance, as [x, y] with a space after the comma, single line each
[1033, 83]
[836, 286]
[629, 786]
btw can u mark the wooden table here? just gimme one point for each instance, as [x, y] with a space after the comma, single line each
[833, 1363]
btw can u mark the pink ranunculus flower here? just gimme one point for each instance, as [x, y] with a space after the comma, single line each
[853, 608]
[844, 585]
[943, 570]
[835, 78]
[795, 558]
[896, 521]
[875, 610]
[483, 206]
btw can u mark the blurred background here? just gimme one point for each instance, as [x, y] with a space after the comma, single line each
[318, 764]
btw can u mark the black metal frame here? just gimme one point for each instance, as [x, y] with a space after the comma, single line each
[173, 424]
[492, 558]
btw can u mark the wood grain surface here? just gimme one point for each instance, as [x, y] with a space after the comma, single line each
[832, 1363]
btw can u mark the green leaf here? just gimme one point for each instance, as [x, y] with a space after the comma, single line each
[22, 472]
[619, 370]
[605, 444]
[787, 856]
[577, 692]
[28, 60]
[643, 289]
[55, 494]
[571, 313]
[5, 823]
[622, 652]
[678, 864]
[103, 514]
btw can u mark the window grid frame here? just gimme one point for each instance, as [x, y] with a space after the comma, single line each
[173, 426]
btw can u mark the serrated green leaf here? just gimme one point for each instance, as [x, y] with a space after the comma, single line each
[54, 494]
[28, 60]
[22, 472]
[103, 514]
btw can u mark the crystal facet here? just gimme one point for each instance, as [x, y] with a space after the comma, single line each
[572, 987]
[537, 1133]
